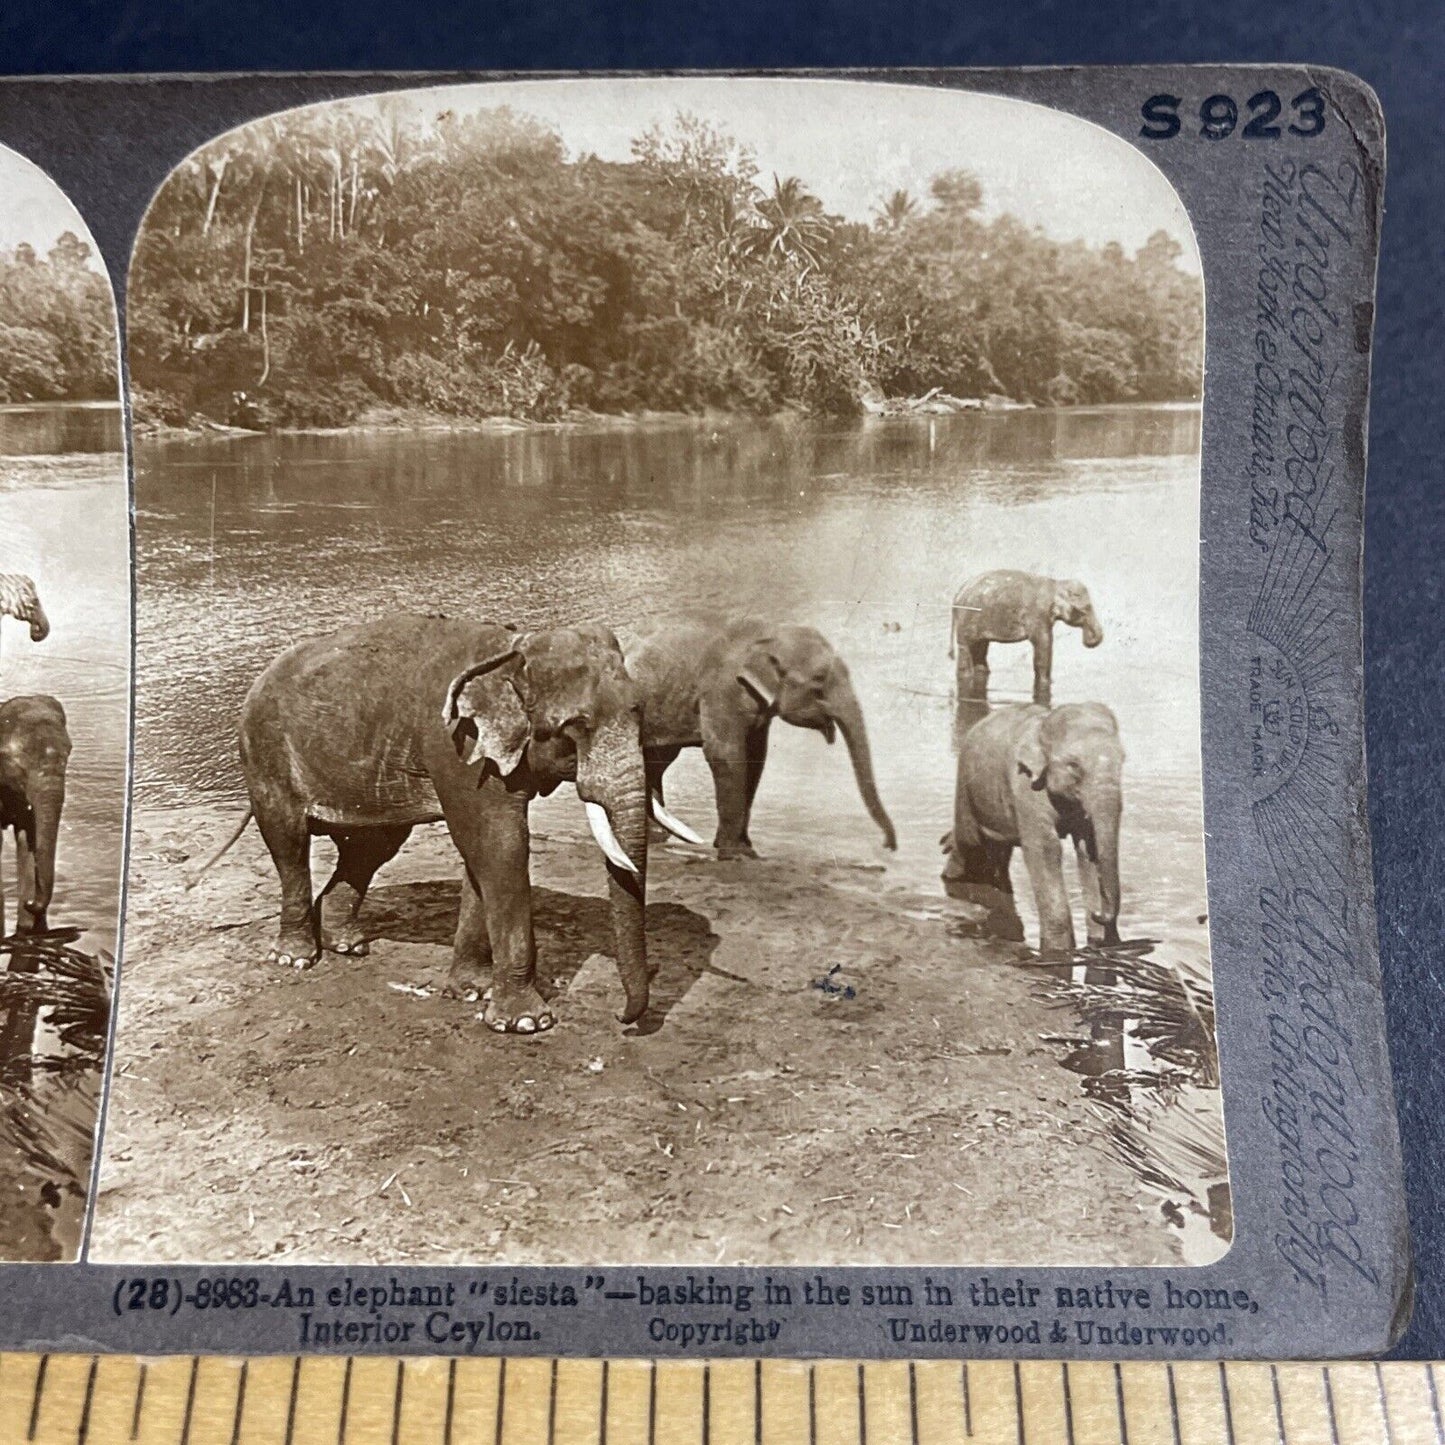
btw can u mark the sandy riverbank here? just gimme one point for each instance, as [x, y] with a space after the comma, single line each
[828, 1073]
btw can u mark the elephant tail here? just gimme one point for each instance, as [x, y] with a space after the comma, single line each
[221, 851]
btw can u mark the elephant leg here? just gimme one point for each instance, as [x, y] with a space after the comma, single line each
[472, 950]
[1101, 930]
[1043, 642]
[757, 756]
[1044, 858]
[979, 873]
[1004, 920]
[360, 852]
[971, 668]
[287, 835]
[495, 843]
[978, 658]
[726, 750]
[970, 703]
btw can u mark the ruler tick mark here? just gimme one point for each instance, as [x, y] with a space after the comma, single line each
[140, 1397]
[83, 1434]
[812, 1405]
[1174, 1403]
[1278, 1405]
[913, 1401]
[652, 1403]
[967, 1403]
[1384, 1404]
[190, 1400]
[345, 1403]
[451, 1401]
[758, 1402]
[501, 1394]
[1068, 1402]
[1019, 1404]
[552, 1406]
[1435, 1403]
[1119, 1404]
[35, 1398]
[396, 1403]
[291, 1403]
[1228, 1405]
[240, 1405]
[602, 1409]
[862, 1409]
[706, 1404]
[1330, 1405]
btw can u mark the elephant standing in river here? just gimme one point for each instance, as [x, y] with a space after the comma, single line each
[717, 683]
[34, 755]
[1029, 777]
[19, 599]
[1006, 606]
[366, 733]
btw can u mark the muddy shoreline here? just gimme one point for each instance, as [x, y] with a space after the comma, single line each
[831, 1072]
[380, 420]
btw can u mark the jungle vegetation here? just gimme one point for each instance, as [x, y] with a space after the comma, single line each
[325, 262]
[57, 325]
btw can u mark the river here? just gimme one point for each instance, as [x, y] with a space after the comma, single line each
[863, 529]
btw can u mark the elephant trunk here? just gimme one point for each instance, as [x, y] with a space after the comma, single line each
[1093, 633]
[610, 775]
[39, 623]
[1106, 845]
[844, 709]
[37, 886]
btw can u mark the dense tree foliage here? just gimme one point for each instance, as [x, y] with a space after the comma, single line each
[314, 265]
[57, 326]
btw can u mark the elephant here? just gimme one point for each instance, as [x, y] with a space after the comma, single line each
[34, 754]
[1028, 777]
[363, 734]
[718, 683]
[19, 599]
[1006, 606]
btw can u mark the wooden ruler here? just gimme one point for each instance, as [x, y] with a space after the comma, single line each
[96, 1400]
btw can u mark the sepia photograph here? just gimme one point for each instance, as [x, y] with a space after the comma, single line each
[667, 721]
[64, 705]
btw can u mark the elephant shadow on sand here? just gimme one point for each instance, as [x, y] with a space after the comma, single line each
[569, 929]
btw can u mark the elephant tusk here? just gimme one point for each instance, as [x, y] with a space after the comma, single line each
[675, 826]
[601, 826]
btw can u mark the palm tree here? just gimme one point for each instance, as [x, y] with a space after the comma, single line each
[894, 213]
[791, 224]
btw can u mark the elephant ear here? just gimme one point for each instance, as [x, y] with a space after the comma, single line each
[762, 675]
[487, 701]
[1033, 761]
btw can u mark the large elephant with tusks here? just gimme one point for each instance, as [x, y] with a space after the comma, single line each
[364, 734]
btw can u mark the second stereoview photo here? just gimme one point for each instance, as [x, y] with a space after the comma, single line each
[65, 639]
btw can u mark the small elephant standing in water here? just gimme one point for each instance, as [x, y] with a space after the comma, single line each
[718, 683]
[1007, 606]
[1029, 777]
[34, 754]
